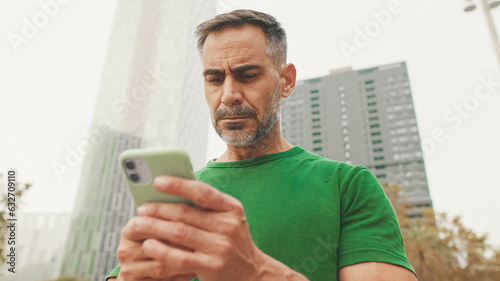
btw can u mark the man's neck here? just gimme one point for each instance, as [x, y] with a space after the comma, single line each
[274, 142]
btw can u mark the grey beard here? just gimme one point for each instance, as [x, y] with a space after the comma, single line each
[240, 139]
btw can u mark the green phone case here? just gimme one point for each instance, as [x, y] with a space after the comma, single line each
[158, 161]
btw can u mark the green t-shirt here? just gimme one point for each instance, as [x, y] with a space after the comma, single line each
[311, 213]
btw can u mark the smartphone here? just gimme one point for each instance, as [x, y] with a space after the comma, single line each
[141, 166]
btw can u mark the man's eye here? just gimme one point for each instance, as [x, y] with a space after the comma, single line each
[247, 76]
[215, 80]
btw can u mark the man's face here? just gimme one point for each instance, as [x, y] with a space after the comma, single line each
[241, 84]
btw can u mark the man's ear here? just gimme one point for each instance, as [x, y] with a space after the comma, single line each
[288, 75]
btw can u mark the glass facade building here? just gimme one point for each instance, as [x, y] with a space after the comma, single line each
[364, 117]
[151, 95]
[41, 245]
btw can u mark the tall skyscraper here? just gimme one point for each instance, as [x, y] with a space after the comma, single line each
[40, 246]
[363, 117]
[151, 95]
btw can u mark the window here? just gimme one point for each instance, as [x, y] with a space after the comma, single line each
[317, 134]
[315, 112]
[374, 126]
[379, 167]
[378, 158]
[368, 82]
[317, 149]
[316, 119]
[314, 98]
[372, 111]
[376, 141]
[314, 91]
[381, 176]
[314, 105]
[372, 103]
[375, 134]
[317, 127]
[370, 89]
[373, 118]
[316, 141]
[378, 149]
[371, 96]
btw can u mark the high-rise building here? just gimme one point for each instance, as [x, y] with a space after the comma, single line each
[151, 94]
[40, 246]
[364, 117]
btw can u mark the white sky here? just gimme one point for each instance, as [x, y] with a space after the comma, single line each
[49, 87]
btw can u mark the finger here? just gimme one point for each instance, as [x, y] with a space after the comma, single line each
[129, 249]
[202, 219]
[133, 235]
[198, 192]
[180, 261]
[179, 247]
[187, 277]
[151, 270]
[175, 278]
[128, 232]
[175, 232]
[215, 222]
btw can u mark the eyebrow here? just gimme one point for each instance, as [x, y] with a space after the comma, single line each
[240, 69]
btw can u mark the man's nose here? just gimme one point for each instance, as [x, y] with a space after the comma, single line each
[231, 92]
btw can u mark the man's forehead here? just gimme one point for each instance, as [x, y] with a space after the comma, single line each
[234, 45]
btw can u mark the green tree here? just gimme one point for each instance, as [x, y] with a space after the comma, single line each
[476, 259]
[429, 254]
[443, 249]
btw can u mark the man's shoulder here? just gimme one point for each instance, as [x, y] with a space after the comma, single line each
[321, 164]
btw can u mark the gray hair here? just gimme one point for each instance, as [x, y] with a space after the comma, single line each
[275, 35]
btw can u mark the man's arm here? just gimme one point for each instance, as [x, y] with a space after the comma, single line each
[369, 271]
[371, 245]
[375, 271]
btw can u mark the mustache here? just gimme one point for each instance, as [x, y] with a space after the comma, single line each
[236, 110]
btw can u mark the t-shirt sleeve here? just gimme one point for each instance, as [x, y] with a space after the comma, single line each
[114, 272]
[369, 230]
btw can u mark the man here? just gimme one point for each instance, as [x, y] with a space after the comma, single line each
[270, 210]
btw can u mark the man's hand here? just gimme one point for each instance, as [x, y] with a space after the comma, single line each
[134, 264]
[213, 243]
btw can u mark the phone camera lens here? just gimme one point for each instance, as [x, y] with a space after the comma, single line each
[134, 177]
[129, 164]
